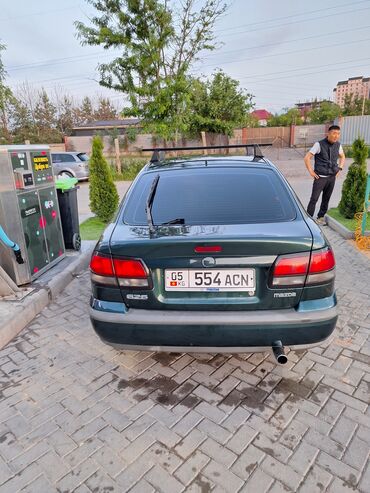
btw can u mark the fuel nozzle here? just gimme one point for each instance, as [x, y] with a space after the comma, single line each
[18, 256]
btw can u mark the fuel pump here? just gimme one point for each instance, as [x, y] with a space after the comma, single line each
[29, 213]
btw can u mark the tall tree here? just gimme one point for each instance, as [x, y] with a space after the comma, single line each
[28, 96]
[325, 112]
[46, 119]
[65, 110]
[103, 192]
[22, 124]
[355, 106]
[354, 186]
[6, 100]
[290, 116]
[85, 112]
[219, 105]
[105, 110]
[158, 47]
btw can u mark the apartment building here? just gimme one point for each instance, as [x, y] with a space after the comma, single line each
[357, 86]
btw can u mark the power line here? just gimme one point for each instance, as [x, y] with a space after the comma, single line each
[303, 68]
[44, 12]
[56, 61]
[293, 15]
[317, 72]
[76, 57]
[285, 42]
[296, 22]
[291, 52]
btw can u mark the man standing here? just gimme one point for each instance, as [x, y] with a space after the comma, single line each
[326, 153]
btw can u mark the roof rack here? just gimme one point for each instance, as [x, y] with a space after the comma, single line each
[159, 152]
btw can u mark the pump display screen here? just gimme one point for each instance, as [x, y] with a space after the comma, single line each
[41, 165]
[19, 160]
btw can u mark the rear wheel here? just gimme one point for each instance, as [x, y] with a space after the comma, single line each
[76, 241]
[65, 174]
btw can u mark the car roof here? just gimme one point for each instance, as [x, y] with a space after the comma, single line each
[68, 152]
[209, 160]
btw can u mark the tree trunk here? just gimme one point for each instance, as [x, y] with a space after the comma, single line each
[118, 160]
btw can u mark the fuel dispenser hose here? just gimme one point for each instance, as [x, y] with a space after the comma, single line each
[11, 244]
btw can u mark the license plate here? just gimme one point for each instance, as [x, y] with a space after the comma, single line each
[210, 280]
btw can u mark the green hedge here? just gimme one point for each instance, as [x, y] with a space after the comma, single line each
[130, 168]
[349, 153]
[103, 193]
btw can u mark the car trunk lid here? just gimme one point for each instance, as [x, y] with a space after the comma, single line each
[244, 252]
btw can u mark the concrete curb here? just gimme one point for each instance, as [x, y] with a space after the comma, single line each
[34, 303]
[339, 228]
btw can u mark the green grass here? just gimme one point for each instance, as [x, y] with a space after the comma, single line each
[92, 228]
[348, 223]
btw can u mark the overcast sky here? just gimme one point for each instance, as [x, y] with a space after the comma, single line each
[282, 51]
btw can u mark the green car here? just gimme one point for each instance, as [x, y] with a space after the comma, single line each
[213, 254]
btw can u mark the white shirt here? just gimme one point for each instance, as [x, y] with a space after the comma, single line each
[316, 148]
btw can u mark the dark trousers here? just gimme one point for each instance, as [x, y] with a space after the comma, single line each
[326, 186]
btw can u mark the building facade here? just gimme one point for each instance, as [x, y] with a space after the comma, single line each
[306, 107]
[262, 116]
[357, 86]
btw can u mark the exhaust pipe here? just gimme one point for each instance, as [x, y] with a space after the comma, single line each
[279, 353]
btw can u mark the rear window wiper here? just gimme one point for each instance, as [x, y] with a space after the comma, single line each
[149, 203]
[179, 220]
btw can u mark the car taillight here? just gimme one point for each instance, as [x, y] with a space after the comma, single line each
[292, 270]
[322, 267]
[128, 272]
[102, 266]
[131, 273]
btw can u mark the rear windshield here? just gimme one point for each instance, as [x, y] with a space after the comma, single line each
[212, 196]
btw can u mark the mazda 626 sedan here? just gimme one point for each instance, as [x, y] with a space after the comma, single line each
[213, 254]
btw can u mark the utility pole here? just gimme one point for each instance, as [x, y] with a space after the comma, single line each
[363, 105]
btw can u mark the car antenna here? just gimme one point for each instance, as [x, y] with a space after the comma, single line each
[149, 204]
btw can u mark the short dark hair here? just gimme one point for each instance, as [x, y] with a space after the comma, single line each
[333, 127]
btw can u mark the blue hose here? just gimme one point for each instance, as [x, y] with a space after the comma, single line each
[7, 242]
[11, 244]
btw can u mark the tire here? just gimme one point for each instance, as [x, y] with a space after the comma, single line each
[65, 174]
[76, 241]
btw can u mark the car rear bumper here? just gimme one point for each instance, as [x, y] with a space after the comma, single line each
[210, 331]
[82, 174]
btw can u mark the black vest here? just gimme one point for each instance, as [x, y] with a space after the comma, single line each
[326, 161]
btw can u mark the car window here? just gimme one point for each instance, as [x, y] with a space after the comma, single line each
[67, 158]
[83, 156]
[230, 195]
[56, 158]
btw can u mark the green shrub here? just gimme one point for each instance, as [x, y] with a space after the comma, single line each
[103, 193]
[354, 186]
[349, 152]
[130, 168]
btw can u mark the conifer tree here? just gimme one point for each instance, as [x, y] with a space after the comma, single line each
[103, 193]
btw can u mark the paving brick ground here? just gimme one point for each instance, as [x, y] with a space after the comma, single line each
[76, 415]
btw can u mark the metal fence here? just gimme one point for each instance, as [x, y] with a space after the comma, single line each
[353, 127]
[300, 136]
[306, 135]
